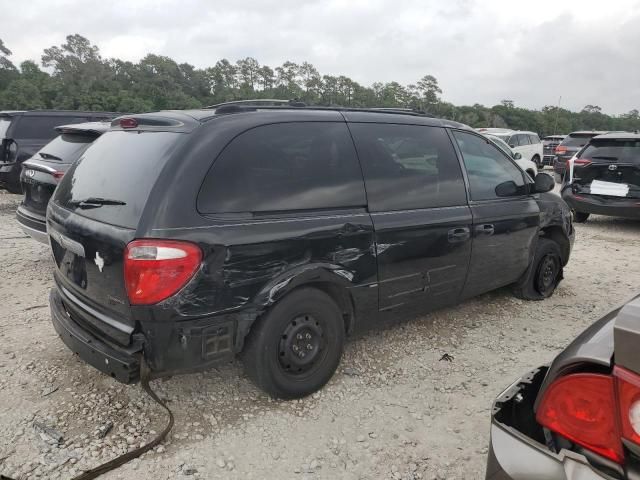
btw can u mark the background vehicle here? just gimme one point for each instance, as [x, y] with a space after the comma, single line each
[549, 144]
[526, 165]
[23, 133]
[606, 177]
[246, 230]
[571, 145]
[577, 418]
[527, 144]
[42, 172]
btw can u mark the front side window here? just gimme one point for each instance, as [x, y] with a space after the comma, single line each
[534, 139]
[523, 139]
[408, 166]
[285, 167]
[487, 167]
[513, 141]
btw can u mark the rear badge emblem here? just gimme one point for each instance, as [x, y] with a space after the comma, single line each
[30, 173]
[613, 167]
[99, 261]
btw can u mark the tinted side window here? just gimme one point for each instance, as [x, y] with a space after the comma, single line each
[43, 127]
[408, 166]
[487, 167]
[285, 166]
[534, 139]
[523, 139]
[513, 141]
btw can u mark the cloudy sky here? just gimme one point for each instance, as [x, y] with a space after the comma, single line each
[481, 51]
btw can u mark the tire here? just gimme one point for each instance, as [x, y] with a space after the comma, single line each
[16, 189]
[305, 322]
[558, 178]
[580, 217]
[544, 273]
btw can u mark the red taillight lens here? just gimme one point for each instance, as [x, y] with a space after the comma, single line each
[156, 269]
[58, 175]
[560, 149]
[582, 408]
[582, 161]
[628, 384]
[128, 123]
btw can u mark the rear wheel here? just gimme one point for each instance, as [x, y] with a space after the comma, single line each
[580, 217]
[536, 160]
[296, 347]
[544, 273]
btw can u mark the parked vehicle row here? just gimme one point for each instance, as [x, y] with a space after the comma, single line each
[23, 133]
[527, 165]
[549, 145]
[273, 232]
[527, 144]
[572, 144]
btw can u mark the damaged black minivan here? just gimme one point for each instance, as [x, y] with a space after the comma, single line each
[185, 238]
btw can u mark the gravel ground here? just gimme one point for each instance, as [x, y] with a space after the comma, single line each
[393, 409]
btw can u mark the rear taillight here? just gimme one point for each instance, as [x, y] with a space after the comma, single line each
[628, 384]
[582, 162]
[154, 270]
[582, 408]
[57, 174]
[594, 410]
[561, 149]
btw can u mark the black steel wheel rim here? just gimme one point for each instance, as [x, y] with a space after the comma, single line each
[547, 273]
[302, 345]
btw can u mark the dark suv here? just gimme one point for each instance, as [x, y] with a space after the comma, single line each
[571, 145]
[42, 173]
[272, 232]
[606, 178]
[24, 133]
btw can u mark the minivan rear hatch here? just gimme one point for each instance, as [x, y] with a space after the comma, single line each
[609, 167]
[94, 214]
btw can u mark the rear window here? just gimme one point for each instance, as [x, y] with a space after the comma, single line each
[66, 148]
[285, 167]
[577, 140]
[43, 127]
[121, 167]
[618, 151]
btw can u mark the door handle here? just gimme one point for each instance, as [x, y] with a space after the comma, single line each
[486, 229]
[457, 235]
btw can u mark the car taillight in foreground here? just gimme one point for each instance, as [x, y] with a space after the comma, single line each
[561, 149]
[57, 174]
[154, 270]
[594, 410]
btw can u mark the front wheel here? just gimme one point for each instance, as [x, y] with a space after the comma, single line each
[536, 160]
[295, 348]
[544, 273]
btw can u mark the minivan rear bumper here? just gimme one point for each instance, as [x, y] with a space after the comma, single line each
[121, 363]
[596, 204]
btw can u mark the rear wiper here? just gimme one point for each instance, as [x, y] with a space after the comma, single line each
[95, 202]
[48, 156]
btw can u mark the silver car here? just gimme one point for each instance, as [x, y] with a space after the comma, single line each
[579, 418]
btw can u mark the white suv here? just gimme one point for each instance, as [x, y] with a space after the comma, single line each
[527, 144]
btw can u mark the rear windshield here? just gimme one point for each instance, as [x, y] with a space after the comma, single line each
[577, 140]
[618, 151]
[67, 147]
[4, 126]
[120, 167]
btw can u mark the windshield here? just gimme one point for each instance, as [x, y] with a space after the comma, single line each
[618, 151]
[4, 126]
[67, 147]
[115, 176]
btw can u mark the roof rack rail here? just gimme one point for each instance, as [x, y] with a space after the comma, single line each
[258, 102]
[414, 111]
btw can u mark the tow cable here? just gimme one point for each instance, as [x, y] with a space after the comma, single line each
[145, 376]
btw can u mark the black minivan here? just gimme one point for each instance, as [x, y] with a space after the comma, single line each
[183, 238]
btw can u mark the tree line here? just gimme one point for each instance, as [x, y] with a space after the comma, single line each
[75, 76]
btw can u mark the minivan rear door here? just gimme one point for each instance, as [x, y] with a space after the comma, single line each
[94, 213]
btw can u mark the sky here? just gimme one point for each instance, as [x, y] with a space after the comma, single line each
[481, 51]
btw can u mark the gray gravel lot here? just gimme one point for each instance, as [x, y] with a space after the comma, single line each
[393, 410]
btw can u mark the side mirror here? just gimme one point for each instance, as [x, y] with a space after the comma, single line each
[543, 183]
[507, 189]
[517, 156]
